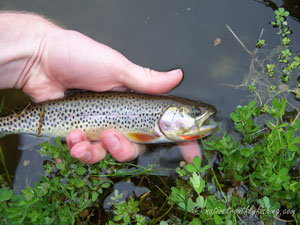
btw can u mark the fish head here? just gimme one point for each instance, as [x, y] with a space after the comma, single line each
[185, 122]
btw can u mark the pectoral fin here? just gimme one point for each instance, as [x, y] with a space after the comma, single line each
[142, 137]
[190, 138]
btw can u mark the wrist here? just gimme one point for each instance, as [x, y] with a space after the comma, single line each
[22, 44]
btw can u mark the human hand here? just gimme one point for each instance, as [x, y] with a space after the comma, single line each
[63, 59]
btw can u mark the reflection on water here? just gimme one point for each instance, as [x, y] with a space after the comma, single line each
[161, 35]
[226, 67]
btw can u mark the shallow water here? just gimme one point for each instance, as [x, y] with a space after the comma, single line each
[161, 35]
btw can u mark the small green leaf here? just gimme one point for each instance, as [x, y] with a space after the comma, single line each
[266, 202]
[163, 223]
[126, 218]
[252, 103]
[197, 182]
[204, 168]
[80, 170]
[296, 140]
[285, 78]
[218, 219]
[80, 183]
[195, 221]
[289, 134]
[283, 172]
[286, 41]
[105, 185]
[5, 194]
[200, 202]
[283, 125]
[95, 196]
[260, 43]
[190, 168]
[235, 117]
[190, 206]
[60, 166]
[42, 189]
[118, 218]
[293, 148]
[197, 162]
[251, 88]
[282, 108]
[276, 103]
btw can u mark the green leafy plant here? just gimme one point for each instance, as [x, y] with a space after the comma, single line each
[281, 64]
[126, 211]
[67, 191]
[280, 16]
[60, 199]
[270, 69]
[260, 43]
[262, 160]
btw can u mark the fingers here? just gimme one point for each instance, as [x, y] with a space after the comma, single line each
[80, 62]
[83, 150]
[117, 145]
[151, 82]
[88, 153]
[142, 79]
[74, 137]
[189, 150]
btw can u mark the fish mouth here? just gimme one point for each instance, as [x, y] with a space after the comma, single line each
[203, 125]
[203, 118]
[205, 130]
[208, 127]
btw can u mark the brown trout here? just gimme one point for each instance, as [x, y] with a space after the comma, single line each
[141, 118]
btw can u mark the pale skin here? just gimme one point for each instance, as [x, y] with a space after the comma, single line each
[44, 60]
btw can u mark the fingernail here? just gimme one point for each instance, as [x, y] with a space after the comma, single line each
[75, 140]
[112, 143]
[175, 72]
[88, 156]
[79, 153]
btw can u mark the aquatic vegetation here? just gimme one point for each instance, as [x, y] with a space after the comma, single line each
[68, 190]
[248, 176]
[258, 173]
[273, 72]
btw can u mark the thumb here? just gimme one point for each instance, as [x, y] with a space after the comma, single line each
[150, 81]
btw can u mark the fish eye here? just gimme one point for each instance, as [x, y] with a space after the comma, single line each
[181, 112]
[195, 112]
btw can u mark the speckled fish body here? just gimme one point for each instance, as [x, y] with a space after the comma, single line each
[141, 118]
